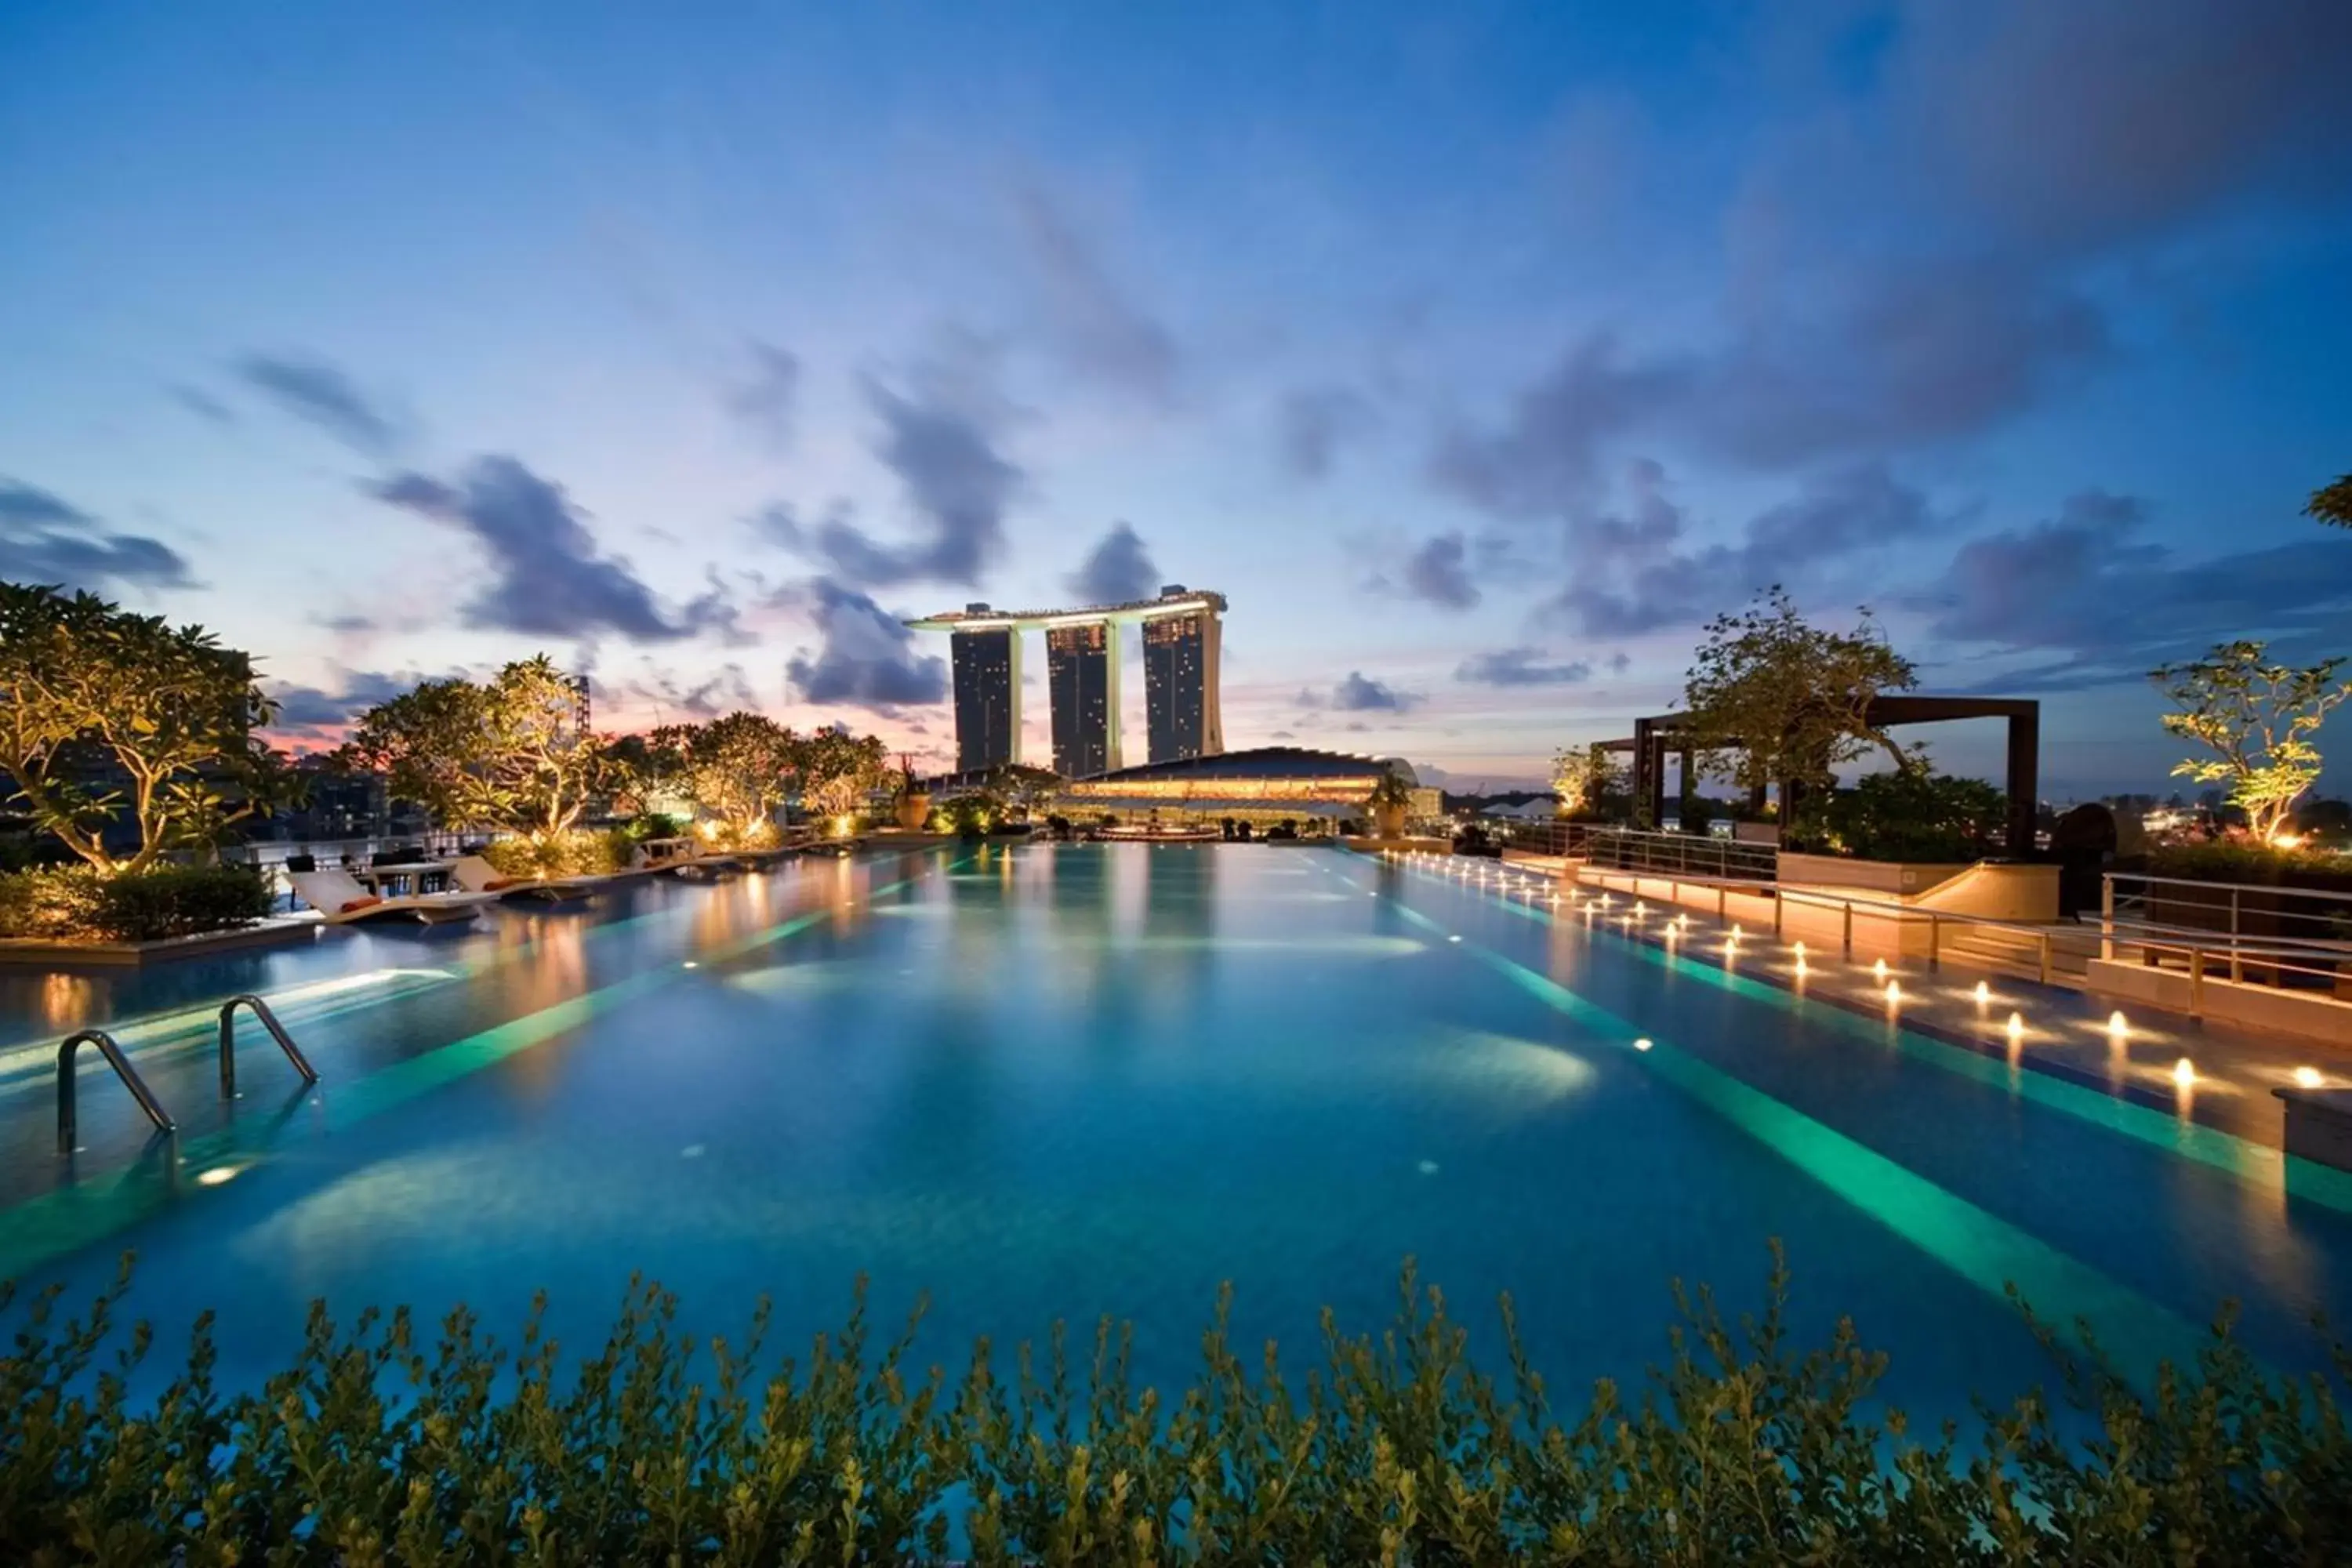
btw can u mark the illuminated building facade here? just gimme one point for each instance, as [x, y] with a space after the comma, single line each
[987, 665]
[1181, 634]
[1082, 683]
[1179, 686]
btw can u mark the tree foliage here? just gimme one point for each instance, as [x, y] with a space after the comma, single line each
[88, 690]
[2332, 503]
[1589, 783]
[838, 771]
[1916, 815]
[508, 755]
[2259, 720]
[738, 769]
[1772, 699]
[388, 1441]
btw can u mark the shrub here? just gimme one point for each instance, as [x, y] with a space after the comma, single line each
[80, 903]
[579, 853]
[385, 1442]
[56, 902]
[181, 900]
[2245, 860]
[1915, 815]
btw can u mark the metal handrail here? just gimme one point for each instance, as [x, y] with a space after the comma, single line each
[122, 1069]
[276, 1032]
[2263, 887]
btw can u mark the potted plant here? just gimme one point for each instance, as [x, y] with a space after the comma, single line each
[914, 799]
[1387, 802]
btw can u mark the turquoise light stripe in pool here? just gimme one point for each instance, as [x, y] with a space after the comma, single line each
[1982, 1248]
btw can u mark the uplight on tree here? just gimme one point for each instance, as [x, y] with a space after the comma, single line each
[2260, 719]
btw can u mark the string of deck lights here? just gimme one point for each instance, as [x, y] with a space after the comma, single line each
[1509, 882]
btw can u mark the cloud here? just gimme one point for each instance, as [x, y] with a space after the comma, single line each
[43, 539]
[1439, 573]
[767, 395]
[1090, 321]
[320, 394]
[1521, 666]
[1117, 570]
[940, 441]
[1635, 571]
[1545, 457]
[1359, 693]
[548, 579]
[2086, 584]
[313, 713]
[200, 403]
[671, 697]
[867, 659]
[1311, 425]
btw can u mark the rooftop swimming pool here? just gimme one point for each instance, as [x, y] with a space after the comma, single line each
[1056, 1082]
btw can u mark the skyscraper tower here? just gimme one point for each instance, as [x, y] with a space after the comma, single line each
[987, 696]
[1181, 681]
[1082, 680]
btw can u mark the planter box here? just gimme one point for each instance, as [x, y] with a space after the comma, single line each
[1989, 889]
[43, 952]
[1891, 878]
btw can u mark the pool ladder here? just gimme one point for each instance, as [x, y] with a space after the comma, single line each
[148, 1104]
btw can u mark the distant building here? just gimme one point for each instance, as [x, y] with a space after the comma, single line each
[583, 708]
[1181, 685]
[1266, 784]
[987, 696]
[1082, 683]
[1181, 631]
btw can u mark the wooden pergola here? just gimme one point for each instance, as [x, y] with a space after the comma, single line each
[1657, 736]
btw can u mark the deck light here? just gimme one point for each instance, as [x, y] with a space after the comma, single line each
[2116, 1027]
[692, 964]
[1984, 994]
[2016, 1027]
[216, 1175]
[1453, 939]
[1894, 995]
[1642, 1044]
[2308, 1078]
[2184, 1073]
[1878, 970]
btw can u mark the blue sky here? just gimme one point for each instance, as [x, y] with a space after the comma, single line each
[1478, 354]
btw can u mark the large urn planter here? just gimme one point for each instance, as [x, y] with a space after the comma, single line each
[914, 811]
[1387, 821]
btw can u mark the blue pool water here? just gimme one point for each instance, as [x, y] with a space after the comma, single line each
[1058, 1082]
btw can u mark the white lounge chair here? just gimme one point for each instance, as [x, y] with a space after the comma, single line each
[475, 875]
[680, 857]
[341, 900]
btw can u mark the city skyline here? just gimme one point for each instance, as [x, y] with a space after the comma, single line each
[1486, 351]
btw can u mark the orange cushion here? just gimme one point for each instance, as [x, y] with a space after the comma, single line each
[366, 903]
[497, 883]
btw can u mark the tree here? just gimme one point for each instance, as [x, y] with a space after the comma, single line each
[1588, 783]
[739, 768]
[1774, 700]
[508, 756]
[105, 714]
[838, 771]
[2332, 503]
[2260, 719]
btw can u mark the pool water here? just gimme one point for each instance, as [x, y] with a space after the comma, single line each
[1056, 1082]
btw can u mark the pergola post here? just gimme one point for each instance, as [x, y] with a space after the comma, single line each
[1683, 782]
[2024, 778]
[1644, 761]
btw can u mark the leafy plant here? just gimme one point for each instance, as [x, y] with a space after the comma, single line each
[509, 754]
[739, 769]
[2259, 718]
[106, 715]
[1774, 701]
[1915, 817]
[79, 904]
[1390, 792]
[51, 903]
[387, 1441]
[1589, 783]
[2332, 503]
[579, 853]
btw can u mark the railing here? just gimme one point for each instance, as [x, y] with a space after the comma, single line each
[122, 1069]
[1630, 849]
[2289, 938]
[260, 1010]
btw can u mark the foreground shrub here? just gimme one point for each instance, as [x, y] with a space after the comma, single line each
[81, 904]
[383, 1442]
[579, 853]
[1915, 817]
[2241, 859]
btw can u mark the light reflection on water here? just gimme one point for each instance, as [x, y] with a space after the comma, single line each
[1053, 1082]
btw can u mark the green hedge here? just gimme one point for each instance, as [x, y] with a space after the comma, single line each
[582, 853]
[78, 903]
[384, 1441]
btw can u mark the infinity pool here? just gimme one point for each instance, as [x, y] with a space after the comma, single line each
[1058, 1082]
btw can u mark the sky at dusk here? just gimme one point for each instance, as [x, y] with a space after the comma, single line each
[1478, 354]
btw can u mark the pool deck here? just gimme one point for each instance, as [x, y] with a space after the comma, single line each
[2066, 1033]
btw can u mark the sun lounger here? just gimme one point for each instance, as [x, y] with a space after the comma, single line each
[341, 900]
[475, 875]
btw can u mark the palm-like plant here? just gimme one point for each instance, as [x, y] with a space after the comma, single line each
[2332, 503]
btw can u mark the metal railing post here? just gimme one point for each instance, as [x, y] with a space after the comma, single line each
[2046, 958]
[2196, 982]
[1848, 905]
[122, 1069]
[1935, 942]
[2107, 915]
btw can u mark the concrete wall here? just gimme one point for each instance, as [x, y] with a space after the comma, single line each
[2308, 1013]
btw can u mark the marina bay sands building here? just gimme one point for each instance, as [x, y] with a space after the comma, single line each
[1180, 631]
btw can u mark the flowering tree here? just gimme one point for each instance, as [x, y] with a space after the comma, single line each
[1588, 782]
[838, 771]
[106, 715]
[2259, 720]
[739, 768]
[509, 755]
[1772, 699]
